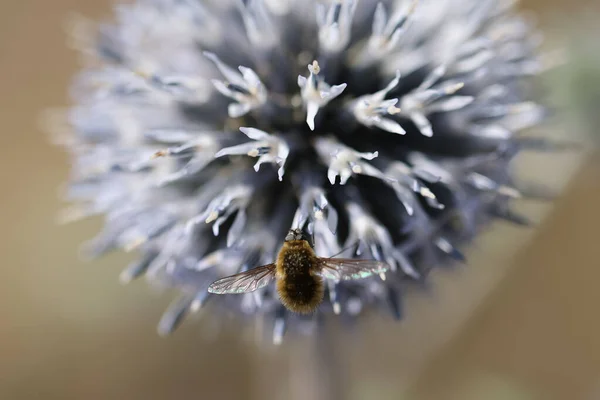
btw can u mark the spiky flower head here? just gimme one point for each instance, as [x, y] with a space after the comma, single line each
[204, 130]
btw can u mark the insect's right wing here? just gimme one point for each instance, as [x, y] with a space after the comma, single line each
[244, 282]
[350, 268]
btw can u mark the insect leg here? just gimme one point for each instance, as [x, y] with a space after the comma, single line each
[354, 245]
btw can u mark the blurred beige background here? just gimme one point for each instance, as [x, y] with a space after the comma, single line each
[528, 329]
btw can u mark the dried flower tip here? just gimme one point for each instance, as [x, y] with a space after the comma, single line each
[268, 149]
[244, 87]
[385, 32]
[335, 24]
[222, 258]
[316, 93]
[344, 161]
[233, 199]
[370, 109]
[198, 152]
[426, 99]
[410, 181]
[484, 183]
[374, 239]
[314, 207]
[259, 27]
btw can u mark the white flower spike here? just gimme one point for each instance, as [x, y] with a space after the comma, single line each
[316, 93]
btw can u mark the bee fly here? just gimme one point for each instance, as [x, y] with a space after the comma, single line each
[299, 274]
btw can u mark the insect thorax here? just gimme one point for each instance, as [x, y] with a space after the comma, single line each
[296, 258]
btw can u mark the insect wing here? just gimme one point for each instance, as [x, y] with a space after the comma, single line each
[244, 282]
[350, 268]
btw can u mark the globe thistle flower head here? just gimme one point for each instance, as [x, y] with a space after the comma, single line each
[205, 130]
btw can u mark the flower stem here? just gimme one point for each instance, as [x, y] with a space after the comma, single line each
[315, 370]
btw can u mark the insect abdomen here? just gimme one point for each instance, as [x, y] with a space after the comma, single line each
[301, 293]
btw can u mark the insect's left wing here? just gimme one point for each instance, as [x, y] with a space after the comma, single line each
[244, 282]
[350, 268]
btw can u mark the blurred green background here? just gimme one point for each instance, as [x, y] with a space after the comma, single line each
[519, 322]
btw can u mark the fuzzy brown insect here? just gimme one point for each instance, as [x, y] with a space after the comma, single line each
[299, 273]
